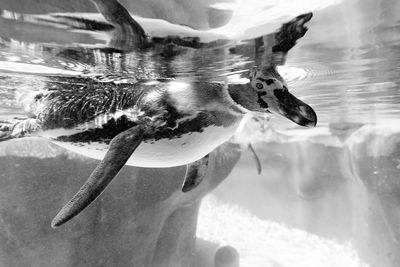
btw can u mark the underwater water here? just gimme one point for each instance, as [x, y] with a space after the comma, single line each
[327, 196]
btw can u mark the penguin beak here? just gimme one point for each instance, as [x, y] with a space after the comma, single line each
[293, 108]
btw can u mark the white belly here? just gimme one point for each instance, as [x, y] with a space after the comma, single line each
[164, 152]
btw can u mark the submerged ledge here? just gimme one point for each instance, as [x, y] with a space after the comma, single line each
[267, 243]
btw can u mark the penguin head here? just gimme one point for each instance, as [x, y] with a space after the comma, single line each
[273, 96]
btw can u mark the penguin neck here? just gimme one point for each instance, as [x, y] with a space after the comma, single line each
[244, 95]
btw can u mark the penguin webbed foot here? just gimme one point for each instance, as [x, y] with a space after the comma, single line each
[290, 32]
[195, 173]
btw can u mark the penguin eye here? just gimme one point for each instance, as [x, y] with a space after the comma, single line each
[259, 85]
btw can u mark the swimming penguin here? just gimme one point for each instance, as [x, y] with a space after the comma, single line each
[157, 123]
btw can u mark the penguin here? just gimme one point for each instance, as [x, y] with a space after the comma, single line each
[157, 123]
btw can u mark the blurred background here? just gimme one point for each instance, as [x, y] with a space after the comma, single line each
[327, 196]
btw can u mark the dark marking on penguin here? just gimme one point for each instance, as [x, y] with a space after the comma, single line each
[279, 94]
[196, 124]
[261, 102]
[38, 97]
[104, 134]
[267, 81]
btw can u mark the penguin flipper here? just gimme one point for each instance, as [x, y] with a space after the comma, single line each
[271, 49]
[121, 148]
[195, 173]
